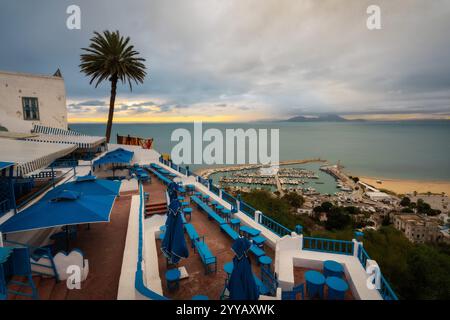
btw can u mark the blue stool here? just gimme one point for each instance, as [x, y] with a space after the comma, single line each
[228, 268]
[180, 198]
[332, 269]
[173, 279]
[188, 212]
[162, 228]
[200, 297]
[185, 204]
[235, 223]
[161, 236]
[226, 213]
[219, 208]
[336, 288]
[259, 241]
[206, 197]
[315, 282]
[265, 262]
[214, 203]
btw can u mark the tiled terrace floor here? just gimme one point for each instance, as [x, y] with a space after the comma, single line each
[299, 277]
[219, 243]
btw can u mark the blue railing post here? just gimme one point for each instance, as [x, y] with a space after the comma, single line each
[299, 229]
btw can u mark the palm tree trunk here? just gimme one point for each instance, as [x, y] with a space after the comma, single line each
[112, 100]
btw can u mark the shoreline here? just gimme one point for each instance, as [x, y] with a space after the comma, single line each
[404, 186]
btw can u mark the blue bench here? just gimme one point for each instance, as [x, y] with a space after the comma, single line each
[164, 179]
[208, 259]
[230, 231]
[192, 233]
[208, 210]
[258, 252]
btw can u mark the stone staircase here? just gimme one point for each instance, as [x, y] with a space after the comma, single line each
[155, 208]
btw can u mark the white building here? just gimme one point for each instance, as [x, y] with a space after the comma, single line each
[29, 99]
[378, 196]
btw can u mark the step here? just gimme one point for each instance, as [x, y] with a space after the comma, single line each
[148, 213]
[153, 205]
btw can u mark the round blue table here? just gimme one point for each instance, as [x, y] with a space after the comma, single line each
[180, 198]
[332, 268]
[188, 212]
[226, 213]
[314, 283]
[214, 203]
[219, 208]
[162, 228]
[265, 262]
[206, 197]
[173, 279]
[200, 297]
[336, 288]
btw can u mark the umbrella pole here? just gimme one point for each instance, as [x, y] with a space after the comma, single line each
[67, 239]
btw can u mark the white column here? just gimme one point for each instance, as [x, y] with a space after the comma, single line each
[356, 247]
[1, 239]
[257, 214]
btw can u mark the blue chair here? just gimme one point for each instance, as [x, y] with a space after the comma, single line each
[173, 279]
[292, 295]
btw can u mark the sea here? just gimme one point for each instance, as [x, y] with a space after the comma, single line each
[418, 150]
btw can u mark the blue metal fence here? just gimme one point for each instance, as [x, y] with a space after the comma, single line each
[214, 189]
[274, 226]
[247, 209]
[328, 245]
[229, 198]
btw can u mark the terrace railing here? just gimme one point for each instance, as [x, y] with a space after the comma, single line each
[274, 226]
[43, 174]
[4, 206]
[203, 181]
[328, 245]
[229, 198]
[214, 189]
[385, 289]
[247, 209]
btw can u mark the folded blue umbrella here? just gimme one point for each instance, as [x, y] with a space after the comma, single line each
[174, 244]
[242, 285]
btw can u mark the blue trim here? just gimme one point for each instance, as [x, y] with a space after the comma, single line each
[139, 277]
[328, 245]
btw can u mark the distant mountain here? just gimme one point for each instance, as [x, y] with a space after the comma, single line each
[321, 118]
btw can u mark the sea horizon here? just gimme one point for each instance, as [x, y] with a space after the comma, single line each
[382, 149]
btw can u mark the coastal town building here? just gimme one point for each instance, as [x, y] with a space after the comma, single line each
[31, 99]
[417, 228]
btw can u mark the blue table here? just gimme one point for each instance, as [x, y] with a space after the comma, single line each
[214, 203]
[172, 175]
[188, 212]
[198, 194]
[206, 197]
[219, 208]
[332, 268]
[265, 262]
[180, 198]
[173, 279]
[336, 288]
[314, 283]
[259, 241]
[235, 223]
[226, 213]
[250, 231]
[200, 297]
[185, 204]
[161, 236]
[162, 228]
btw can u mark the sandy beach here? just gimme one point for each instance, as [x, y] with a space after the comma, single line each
[408, 186]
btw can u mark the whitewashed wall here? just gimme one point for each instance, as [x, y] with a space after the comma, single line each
[51, 95]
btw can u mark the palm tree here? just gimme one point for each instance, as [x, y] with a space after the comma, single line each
[111, 57]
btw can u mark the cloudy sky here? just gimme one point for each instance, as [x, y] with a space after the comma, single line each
[245, 60]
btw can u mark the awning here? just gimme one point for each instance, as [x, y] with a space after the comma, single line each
[60, 207]
[29, 156]
[119, 156]
[4, 165]
[83, 142]
[37, 128]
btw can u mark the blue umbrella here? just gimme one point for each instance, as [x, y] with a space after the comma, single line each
[242, 285]
[174, 245]
[61, 207]
[90, 185]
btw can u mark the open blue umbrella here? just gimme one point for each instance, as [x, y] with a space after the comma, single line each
[242, 285]
[61, 207]
[174, 244]
[90, 185]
